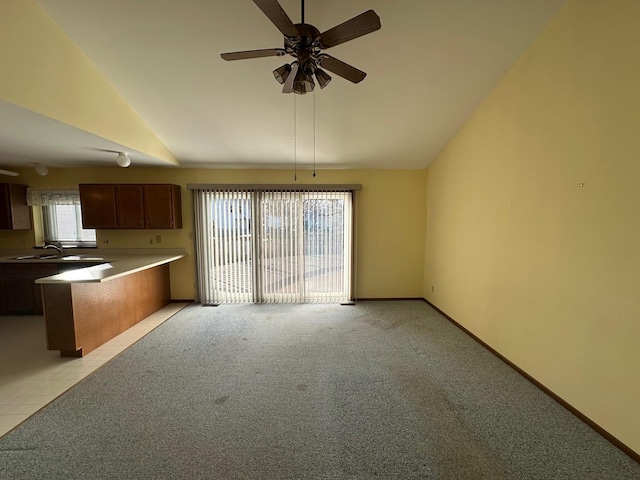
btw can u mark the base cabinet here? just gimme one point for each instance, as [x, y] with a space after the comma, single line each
[20, 294]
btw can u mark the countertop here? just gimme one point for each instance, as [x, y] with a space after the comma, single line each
[110, 263]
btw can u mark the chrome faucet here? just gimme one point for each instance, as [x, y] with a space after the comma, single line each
[57, 247]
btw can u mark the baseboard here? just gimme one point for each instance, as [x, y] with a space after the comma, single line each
[604, 433]
[386, 299]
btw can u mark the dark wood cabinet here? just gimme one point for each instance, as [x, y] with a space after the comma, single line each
[15, 214]
[162, 206]
[3, 307]
[21, 294]
[98, 202]
[130, 206]
[152, 206]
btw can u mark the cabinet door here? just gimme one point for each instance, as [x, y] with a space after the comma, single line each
[129, 205]
[15, 214]
[18, 290]
[21, 295]
[5, 207]
[20, 211]
[98, 205]
[162, 207]
[3, 306]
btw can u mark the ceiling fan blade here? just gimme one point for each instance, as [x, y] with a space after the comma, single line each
[340, 68]
[275, 13]
[288, 84]
[8, 172]
[364, 23]
[267, 52]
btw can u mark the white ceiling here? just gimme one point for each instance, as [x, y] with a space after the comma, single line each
[428, 68]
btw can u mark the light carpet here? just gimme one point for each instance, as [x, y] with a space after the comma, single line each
[376, 390]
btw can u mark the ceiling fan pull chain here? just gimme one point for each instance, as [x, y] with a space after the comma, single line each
[314, 134]
[295, 142]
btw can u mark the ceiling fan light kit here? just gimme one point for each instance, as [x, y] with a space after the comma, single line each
[322, 77]
[305, 43]
[303, 82]
[281, 73]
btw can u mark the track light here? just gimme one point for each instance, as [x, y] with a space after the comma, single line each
[41, 170]
[303, 82]
[282, 73]
[323, 78]
[123, 160]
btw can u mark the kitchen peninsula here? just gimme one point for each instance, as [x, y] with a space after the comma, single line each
[86, 307]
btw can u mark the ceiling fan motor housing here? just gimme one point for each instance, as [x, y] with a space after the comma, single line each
[306, 47]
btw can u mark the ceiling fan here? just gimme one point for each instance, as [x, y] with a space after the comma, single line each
[305, 43]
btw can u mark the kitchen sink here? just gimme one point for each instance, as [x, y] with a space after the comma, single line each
[36, 257]
[64, 258]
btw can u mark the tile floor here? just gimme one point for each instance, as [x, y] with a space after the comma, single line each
[32, 376]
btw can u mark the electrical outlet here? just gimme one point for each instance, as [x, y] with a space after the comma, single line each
[158, 239]
[151, 241]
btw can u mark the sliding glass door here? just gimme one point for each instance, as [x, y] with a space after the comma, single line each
[278, 248]
[274, 246]
[327, 252]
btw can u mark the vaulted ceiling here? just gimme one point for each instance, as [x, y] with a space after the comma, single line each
[429, 67]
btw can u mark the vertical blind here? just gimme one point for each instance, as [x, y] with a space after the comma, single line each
[273, 245]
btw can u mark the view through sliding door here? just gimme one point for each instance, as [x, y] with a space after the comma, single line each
[274, 246]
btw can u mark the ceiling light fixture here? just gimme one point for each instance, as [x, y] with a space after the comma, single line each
[9, 173]
[303, 82]
[123, 160]
[282, 73]
[41, 170]
[323, 77]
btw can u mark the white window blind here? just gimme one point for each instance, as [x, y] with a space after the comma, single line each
[273, 245]
[61, 217]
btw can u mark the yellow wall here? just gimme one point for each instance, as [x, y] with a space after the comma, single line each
[43, 71]
[544, 270]
[390, 230]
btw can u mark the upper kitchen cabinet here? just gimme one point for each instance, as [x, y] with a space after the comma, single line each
[130, 206]
[15, 214]
[125, 206]
[162, 206]
[98, 202]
